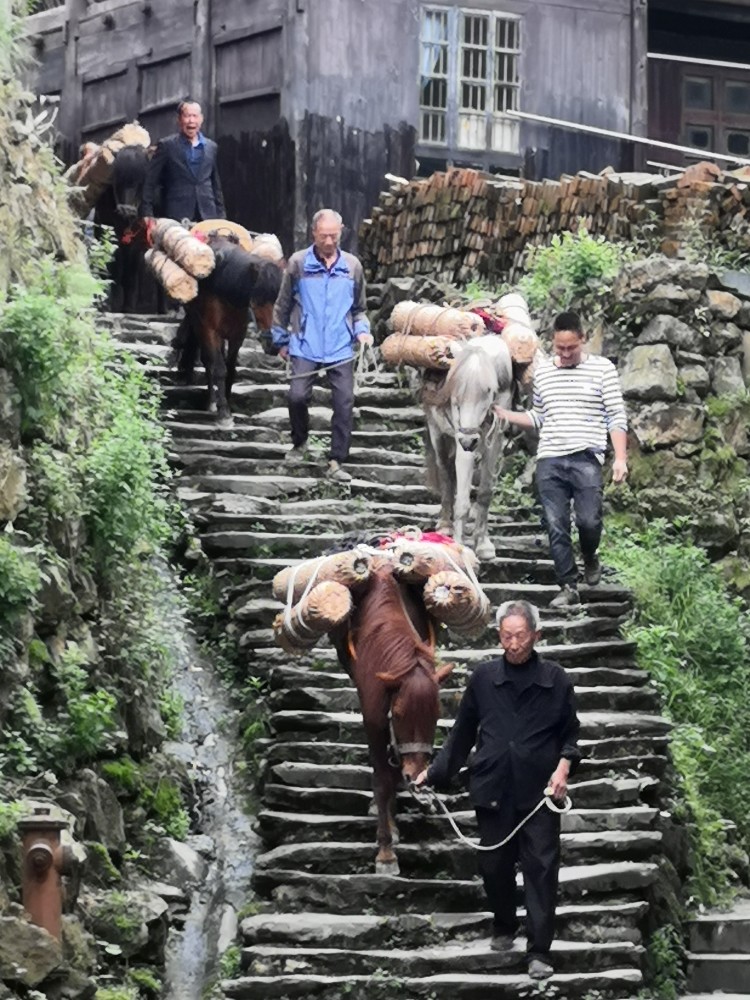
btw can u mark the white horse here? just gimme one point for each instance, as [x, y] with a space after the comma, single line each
[461, 425]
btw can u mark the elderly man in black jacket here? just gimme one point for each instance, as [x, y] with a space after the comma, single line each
[183, 176]
[520, 711]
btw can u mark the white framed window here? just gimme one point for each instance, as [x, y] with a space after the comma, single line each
[469, 78]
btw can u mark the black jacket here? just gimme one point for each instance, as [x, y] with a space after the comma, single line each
[179, 192]
[520, 733]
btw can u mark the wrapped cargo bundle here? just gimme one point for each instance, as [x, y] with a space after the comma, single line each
[327, 605]
[415, 561]
[522, 342]
[224, 227]
[267, 246]
[186, 250]
[419, 352]
[419, 319]
[348, 568]
[454, 600]
[525, 374]
[178, 284]
[93, 172]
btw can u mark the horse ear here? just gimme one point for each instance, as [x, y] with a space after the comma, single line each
[442, 673]
[389, 680]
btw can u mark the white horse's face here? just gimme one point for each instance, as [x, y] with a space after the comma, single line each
[469, 414]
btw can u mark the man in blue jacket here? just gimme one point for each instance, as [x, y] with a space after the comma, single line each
[318, 318]
[183, 176]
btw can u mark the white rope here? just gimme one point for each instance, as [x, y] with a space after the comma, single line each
[366, 368]
[546, 799]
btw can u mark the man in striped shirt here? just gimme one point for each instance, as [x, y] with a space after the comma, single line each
[577, 402]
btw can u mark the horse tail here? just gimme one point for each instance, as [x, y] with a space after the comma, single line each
[432, 479]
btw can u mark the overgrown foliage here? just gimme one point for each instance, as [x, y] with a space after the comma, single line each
[693, 638]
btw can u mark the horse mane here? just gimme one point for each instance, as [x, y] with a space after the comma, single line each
[474, 369]
[386, 638]
[240, 277]
[129, 168]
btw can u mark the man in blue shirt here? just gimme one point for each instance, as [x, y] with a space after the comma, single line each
[318, 318]
[183, 176]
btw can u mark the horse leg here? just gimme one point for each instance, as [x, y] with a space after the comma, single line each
[233, 350]
[493, 445]
[384, 780]
[464, 471]
[444, 480]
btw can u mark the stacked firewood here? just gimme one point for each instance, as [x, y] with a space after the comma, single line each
[320, 594]
[463, 224]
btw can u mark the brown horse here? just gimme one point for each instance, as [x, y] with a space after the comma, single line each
[389, 652]
[216, 321]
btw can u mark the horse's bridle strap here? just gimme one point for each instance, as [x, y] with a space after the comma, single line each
[414, 748]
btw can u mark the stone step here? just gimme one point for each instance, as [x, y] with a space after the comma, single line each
[607, 752]
[186, 449]
[725, 972]
[610, 697]
[384, 894]
[204, 464]
[288, 677]
[296, 827]
[366, 417]
[254, 398]
[465, 956]
[250, 374]
[586, 922]
[282, 485]
[347, 726]
[725, 932]
[592, 793]
[451, 858]
[608, 983]
[407, 441]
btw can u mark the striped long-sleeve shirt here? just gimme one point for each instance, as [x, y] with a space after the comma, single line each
[575, 408]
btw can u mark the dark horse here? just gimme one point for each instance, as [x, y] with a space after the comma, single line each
[118, 207]
[216, 321]
[388, 650]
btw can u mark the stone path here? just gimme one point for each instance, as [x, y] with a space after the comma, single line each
[335, 929]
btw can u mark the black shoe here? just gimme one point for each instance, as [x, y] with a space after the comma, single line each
[592, 570]
[502, 942]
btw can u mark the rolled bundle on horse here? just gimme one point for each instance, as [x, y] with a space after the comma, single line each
[455, 601]
[350, 568]
[268, 246]
[522, 342]
[421, 319]
[192, 254]
[419, 352]
[416, 561]
[178, 284]
[94, 170]
[326, 606]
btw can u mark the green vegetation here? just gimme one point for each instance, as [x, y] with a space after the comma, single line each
[692, 638]
[158, 794]
[574, 269]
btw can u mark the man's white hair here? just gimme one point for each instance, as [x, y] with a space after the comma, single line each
[522, 608]
[324, 212]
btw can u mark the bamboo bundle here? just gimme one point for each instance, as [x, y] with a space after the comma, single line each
[420, 352]
[452, 599]
[192, 254]
[522, 342]
[93, 172]
[525, 373]
[415, 561]
[268, 246]
[178, 284]
[426, 320]
[347, 568]
[327, 605]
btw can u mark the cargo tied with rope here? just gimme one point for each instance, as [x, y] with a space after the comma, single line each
[454, 601]
[415, 561]
[178, 284]
[93, 172]
[419, 352]
[324, 607]
[349, 568]
[420, 319]
[189, 252]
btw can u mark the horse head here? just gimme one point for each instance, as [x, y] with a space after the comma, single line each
[129, 171]
[414, 711]
[471, 388]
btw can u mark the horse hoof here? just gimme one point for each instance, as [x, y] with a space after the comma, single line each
[485, 550]
[213, 408]
[387, 868]
[225, 423]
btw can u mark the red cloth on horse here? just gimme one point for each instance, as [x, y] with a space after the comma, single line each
[494, 324]
[426, 536]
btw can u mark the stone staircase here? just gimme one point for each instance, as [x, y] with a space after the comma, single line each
[719, 957]
[327, 925]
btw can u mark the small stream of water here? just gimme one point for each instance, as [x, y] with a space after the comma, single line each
[210, 748]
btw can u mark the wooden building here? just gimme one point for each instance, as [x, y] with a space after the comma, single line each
[313, 101]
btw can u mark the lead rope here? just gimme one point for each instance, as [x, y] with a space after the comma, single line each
[366, 367]
[546, 799]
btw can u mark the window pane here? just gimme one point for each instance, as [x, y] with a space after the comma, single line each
[738, 143]
[737, 97]
[434, 75]
[699, 92]
[700, 136]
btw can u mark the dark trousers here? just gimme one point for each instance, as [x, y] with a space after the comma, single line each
[537, 847]
[576, 477]
[341, 384]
